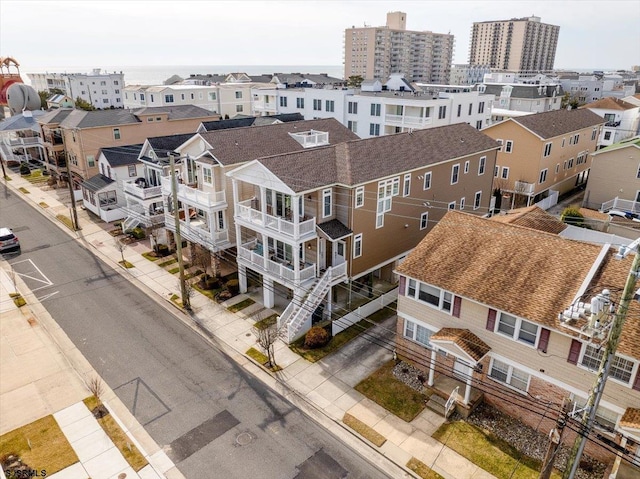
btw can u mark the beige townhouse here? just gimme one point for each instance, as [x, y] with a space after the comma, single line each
[543, 155]
[323, 225]
[503, 312]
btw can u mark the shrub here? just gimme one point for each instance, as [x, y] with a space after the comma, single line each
[572, 216]
[163, 249]
[24, 169]
[316, 337]
[233, 286]
[137, 233]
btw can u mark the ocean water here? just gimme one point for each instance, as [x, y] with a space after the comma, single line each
[157, 74]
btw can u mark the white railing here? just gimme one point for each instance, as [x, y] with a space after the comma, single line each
[274, 268]
[134, 189]
[620, 204]
[198, 233]
[549, 201]
[311, 138]
[408, 121]
[301, 314]
[26, 141]
[245, 213]
[339, 272]
[263, 106]
[524, 187]
[363, 311]
[194, 196]
[140, 216]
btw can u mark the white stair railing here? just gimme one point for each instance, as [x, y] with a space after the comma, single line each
[300, 313]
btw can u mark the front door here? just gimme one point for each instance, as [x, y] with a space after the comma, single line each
[322, 250]
[461, 370]
[338, 253]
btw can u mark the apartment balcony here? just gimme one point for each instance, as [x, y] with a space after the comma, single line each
[252, 254]
[407, 121]
[263, 106]
[140, 189]
[524, 188]
[265, 222]
[147, 216]
[31, 141]
[197, 231]
[195, 197]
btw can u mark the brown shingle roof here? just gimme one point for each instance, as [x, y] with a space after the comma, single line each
[558, 122]
[610, 103]
[631, 418]
[528, 273]
[532, 217]
[361, 161]
[465, 340]
[237, 145]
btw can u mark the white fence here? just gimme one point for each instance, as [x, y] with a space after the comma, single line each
[549, 201]
[363, 311]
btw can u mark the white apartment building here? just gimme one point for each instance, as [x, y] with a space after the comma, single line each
[514, 100]
[622, 120]
[102, 90]
[465, 74]
[378, 113]
[376, 52]
[228, 100]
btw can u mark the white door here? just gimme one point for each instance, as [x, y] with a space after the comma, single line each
[322, 253]
[339, 252]
[461, 370]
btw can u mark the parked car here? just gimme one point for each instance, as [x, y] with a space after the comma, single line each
[624, 214]
[8, 241]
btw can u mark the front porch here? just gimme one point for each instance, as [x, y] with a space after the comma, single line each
[444, 386]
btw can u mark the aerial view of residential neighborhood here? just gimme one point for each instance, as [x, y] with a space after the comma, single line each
[337, 239]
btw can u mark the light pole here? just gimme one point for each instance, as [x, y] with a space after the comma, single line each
[176, 217]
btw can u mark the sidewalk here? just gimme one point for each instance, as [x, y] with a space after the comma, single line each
[324, 390]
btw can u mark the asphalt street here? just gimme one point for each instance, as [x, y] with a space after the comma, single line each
[218, 420]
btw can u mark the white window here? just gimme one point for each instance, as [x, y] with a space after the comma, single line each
[594, 133]
[326, 203]
[283, 101]
[496, 171]
[442, 112]
[547, 149]
[207, 177]
[638, 172]
[395, 186]
[168, 98]
[317, 105]
[352, 125]
[406, 187]
[439, 298]
[238, 95]
[452, 205]
[424, 220]
[116, 133]
[329, 105]
[352, 107]
[359, 198]
[570, 164]
[501, 142]
[621, 369]
[357, 246]
[476, 200]
[417, 333]
[557, 168]
[427, 180]
[507, 374]
[518, 329]
[605, 418]
[466, 167]
[375, 109]
[212, 95]
[221, 221]
[300, 103]
[91, 161]
[132, 170]
[508, 147]
[543, 176]
[462, 203]
[239, 108]
[455, 170]
[374, 129]
[505, 172]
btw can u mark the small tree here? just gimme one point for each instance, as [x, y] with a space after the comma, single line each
[355, 81]
[266, 336]
[154, 233]
[120, 246]
[84, 105]
[96, 388]
[572, 216]
[202, 258]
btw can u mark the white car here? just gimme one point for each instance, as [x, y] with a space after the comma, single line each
[8, 241]
[624, 214]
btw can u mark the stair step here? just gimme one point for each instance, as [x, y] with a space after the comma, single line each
[437, 404]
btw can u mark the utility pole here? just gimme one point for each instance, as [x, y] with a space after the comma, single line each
[74, 211]
[555, 440]
[608, 355]
[176, 217]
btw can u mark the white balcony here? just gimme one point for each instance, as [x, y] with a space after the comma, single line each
[31, 141]
[194, 196]
[265, 106]
[524, 188]
[311, 138]
[197, 231]
[407, 121]
[132, 188]
[256, 219]
[142, 215]
[253, 257]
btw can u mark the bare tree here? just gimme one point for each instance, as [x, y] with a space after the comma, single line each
[266, 336]
[120, 246]
[96, 388]
[202, 258]
[154, 233]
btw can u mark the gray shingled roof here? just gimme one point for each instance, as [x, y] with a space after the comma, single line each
[523, 91]
[55, 116]
[98, 118]
[164, 144]
[237, 145]
[558, 122]
[177, 112]
[361, 161]
[97, 182]
[250, 120]
[21, 122]
[335, 229]
[122, 155]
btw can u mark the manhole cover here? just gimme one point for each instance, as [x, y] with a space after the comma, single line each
[244, 438]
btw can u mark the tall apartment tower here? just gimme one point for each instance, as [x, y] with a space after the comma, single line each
[376, 52]
[519, 44]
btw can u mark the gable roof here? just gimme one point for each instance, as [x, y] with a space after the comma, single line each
[250, 120]
[21, 121]
[610, 103]
[122, 155]
[55, 116]
[335, 229]
[532, 217]
[238, 145]
[554, 123]
[634, 142]
[97, 182]
[465, 340]
[361, 161]
[531, 274]
[98, 118]
[162, 145]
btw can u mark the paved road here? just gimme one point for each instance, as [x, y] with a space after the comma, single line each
[218, 419]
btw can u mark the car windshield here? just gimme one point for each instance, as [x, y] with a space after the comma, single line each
[6, 237]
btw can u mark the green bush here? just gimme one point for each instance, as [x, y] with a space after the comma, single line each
[233, 286]
[137, 233]
[316, 337]
[24, 169]
[163, 250]
[572, 216]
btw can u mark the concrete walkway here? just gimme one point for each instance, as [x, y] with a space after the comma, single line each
[324, 390]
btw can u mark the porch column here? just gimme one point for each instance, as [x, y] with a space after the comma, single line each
[265, 252]
[467, 389]
[234, 182]
[242, 278]
[329, 302]
[528, 200]
[432, 367]
[268, 292]
[263, 204]
[296, 214]
[296, 260]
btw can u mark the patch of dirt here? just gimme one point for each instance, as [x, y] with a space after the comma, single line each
[100, 411]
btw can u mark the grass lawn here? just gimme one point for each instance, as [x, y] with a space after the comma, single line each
[257, 356]
[130, 452]
[245, 303]
[342, 338]
[126, 264]
[66, 220]
[209, 293]
[421, 469]
[24, 190]
[176, 300]
[266, 322]
[365, 431]
[150, 257]
[19, 301]
[168, 262]
[43, 204]
[393, 395]
[488, 451]
[47, 448]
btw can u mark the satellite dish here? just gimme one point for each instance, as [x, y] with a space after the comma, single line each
[22, 97]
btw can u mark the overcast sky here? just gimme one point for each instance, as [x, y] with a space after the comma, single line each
[97, 33]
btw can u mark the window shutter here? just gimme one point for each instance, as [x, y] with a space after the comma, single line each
[636, 383]
[574, 351]
[401, 286]
[491, 319]
[544, 339]
[457, 303]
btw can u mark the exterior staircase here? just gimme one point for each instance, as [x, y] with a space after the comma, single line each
[129, 223]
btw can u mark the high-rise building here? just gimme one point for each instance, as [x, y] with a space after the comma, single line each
[376, 52]
[519, 44]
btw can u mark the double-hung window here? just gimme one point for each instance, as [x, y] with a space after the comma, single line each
[357, 246]
[455, 173]
[317, 105]
[436, 297]
[508, 146]
[352, 107]
[424, 220]
[621, 369]
[207, 177]
[326, 203]
[507, 374]
[375, 109]
[427, 180]
[406, 187]
[300, 103]
[417, 333]
[482, 165]
[547, 149]
[518, 329]
[359, 197]
[477, 199]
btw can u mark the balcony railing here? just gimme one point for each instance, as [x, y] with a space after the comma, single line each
[524, 187]
[131, 187]
[196, 231]
[282, 270]
[408, 121]
[264, 106]
[194, 196]
[245, 212]
[140, 215]
[26, 141]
